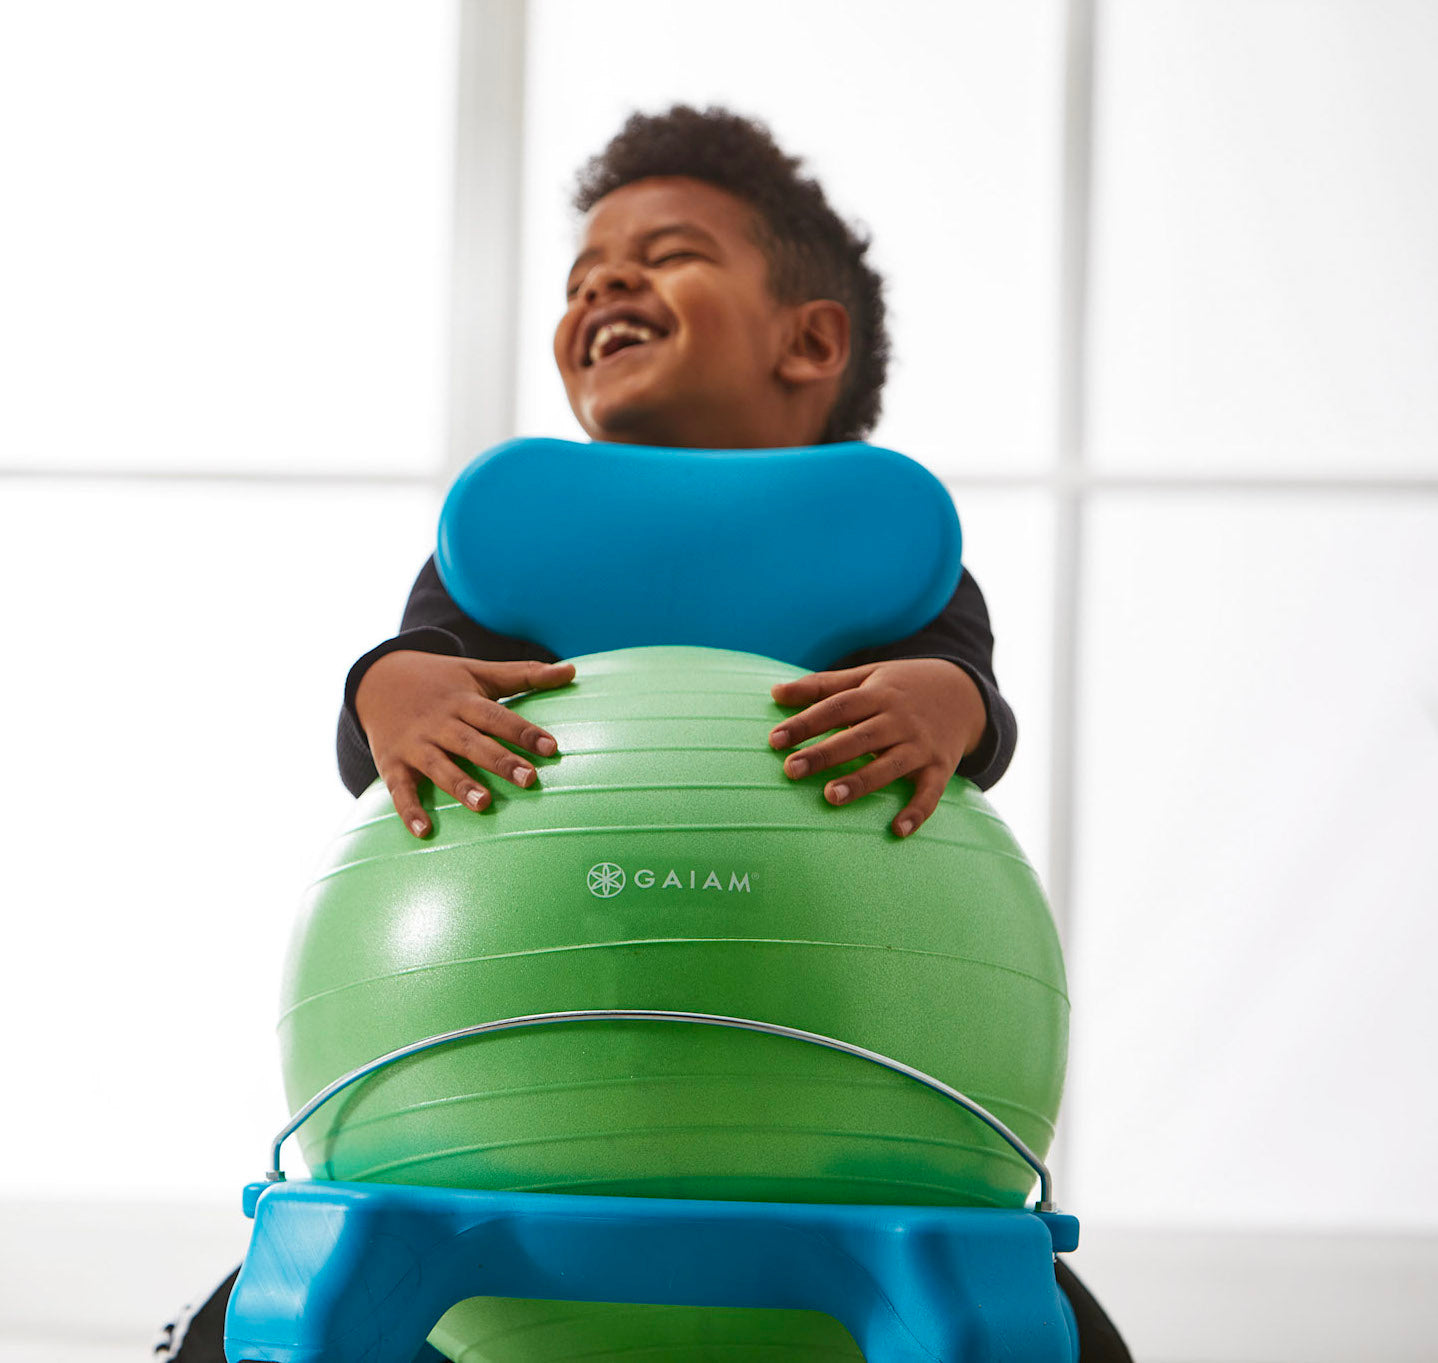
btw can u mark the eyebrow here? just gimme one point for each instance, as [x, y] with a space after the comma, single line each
[691, 229]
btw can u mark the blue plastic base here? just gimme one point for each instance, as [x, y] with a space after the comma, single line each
[361, 1272]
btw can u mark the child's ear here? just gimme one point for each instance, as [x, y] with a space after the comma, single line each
[818, 346]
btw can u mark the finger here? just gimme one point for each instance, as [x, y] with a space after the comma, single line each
[400, 782]
[466, 789]
[510, 678]
[451, 778]
[874, 735]
[834, 712]
[490, 717]
[929, 786]
[817, 685]
[459, 738]
[888, 766]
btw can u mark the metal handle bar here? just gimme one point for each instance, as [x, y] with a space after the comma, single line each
[276, 1174]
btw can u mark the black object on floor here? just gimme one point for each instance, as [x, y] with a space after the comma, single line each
[197, 1334]
[1099, 1339]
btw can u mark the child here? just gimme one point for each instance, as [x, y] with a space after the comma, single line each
[717, 302]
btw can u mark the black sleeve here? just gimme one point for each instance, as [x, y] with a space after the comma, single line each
[960, 633]
[432, 623]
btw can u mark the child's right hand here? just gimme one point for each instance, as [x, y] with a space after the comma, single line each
[421, 710]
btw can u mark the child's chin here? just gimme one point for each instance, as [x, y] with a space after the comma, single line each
[634, 422]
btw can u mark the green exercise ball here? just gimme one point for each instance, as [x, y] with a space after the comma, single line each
[664, 861]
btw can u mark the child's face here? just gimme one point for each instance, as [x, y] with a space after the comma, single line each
[699, 354]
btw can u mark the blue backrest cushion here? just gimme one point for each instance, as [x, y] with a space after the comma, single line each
[801, 554]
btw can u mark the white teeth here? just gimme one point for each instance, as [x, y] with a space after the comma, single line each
[610, 330]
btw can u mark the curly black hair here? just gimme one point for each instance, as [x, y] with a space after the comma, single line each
[812, 252]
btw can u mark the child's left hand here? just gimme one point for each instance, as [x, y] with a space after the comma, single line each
[916, 716]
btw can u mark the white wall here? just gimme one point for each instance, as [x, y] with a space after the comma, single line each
[1260, 669]
[225, 269]
[226, 310]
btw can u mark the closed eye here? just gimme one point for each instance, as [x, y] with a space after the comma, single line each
[573, 291]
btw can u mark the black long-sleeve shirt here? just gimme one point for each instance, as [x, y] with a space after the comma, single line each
[433, 623]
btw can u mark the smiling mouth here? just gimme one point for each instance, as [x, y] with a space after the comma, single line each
[614, 338]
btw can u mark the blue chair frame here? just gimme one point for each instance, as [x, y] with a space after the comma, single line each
[360, 1271]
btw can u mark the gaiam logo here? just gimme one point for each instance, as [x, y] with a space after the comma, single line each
[606, 880]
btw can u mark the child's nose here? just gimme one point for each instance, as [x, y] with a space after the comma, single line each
[607, 277]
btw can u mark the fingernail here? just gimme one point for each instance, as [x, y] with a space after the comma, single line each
[546, 746]
[418, 826]
[798, 767]
[906, 826]
[524, 775]
[841, 793]
[472, 799]
[780, 738]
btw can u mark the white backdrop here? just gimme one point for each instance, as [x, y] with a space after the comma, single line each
[220, 461]
[225, 269]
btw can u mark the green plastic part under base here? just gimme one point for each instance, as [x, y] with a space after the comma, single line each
[487, 1330]
[664, 860]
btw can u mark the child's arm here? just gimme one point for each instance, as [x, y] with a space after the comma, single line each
[430, 694]
[925, 707]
